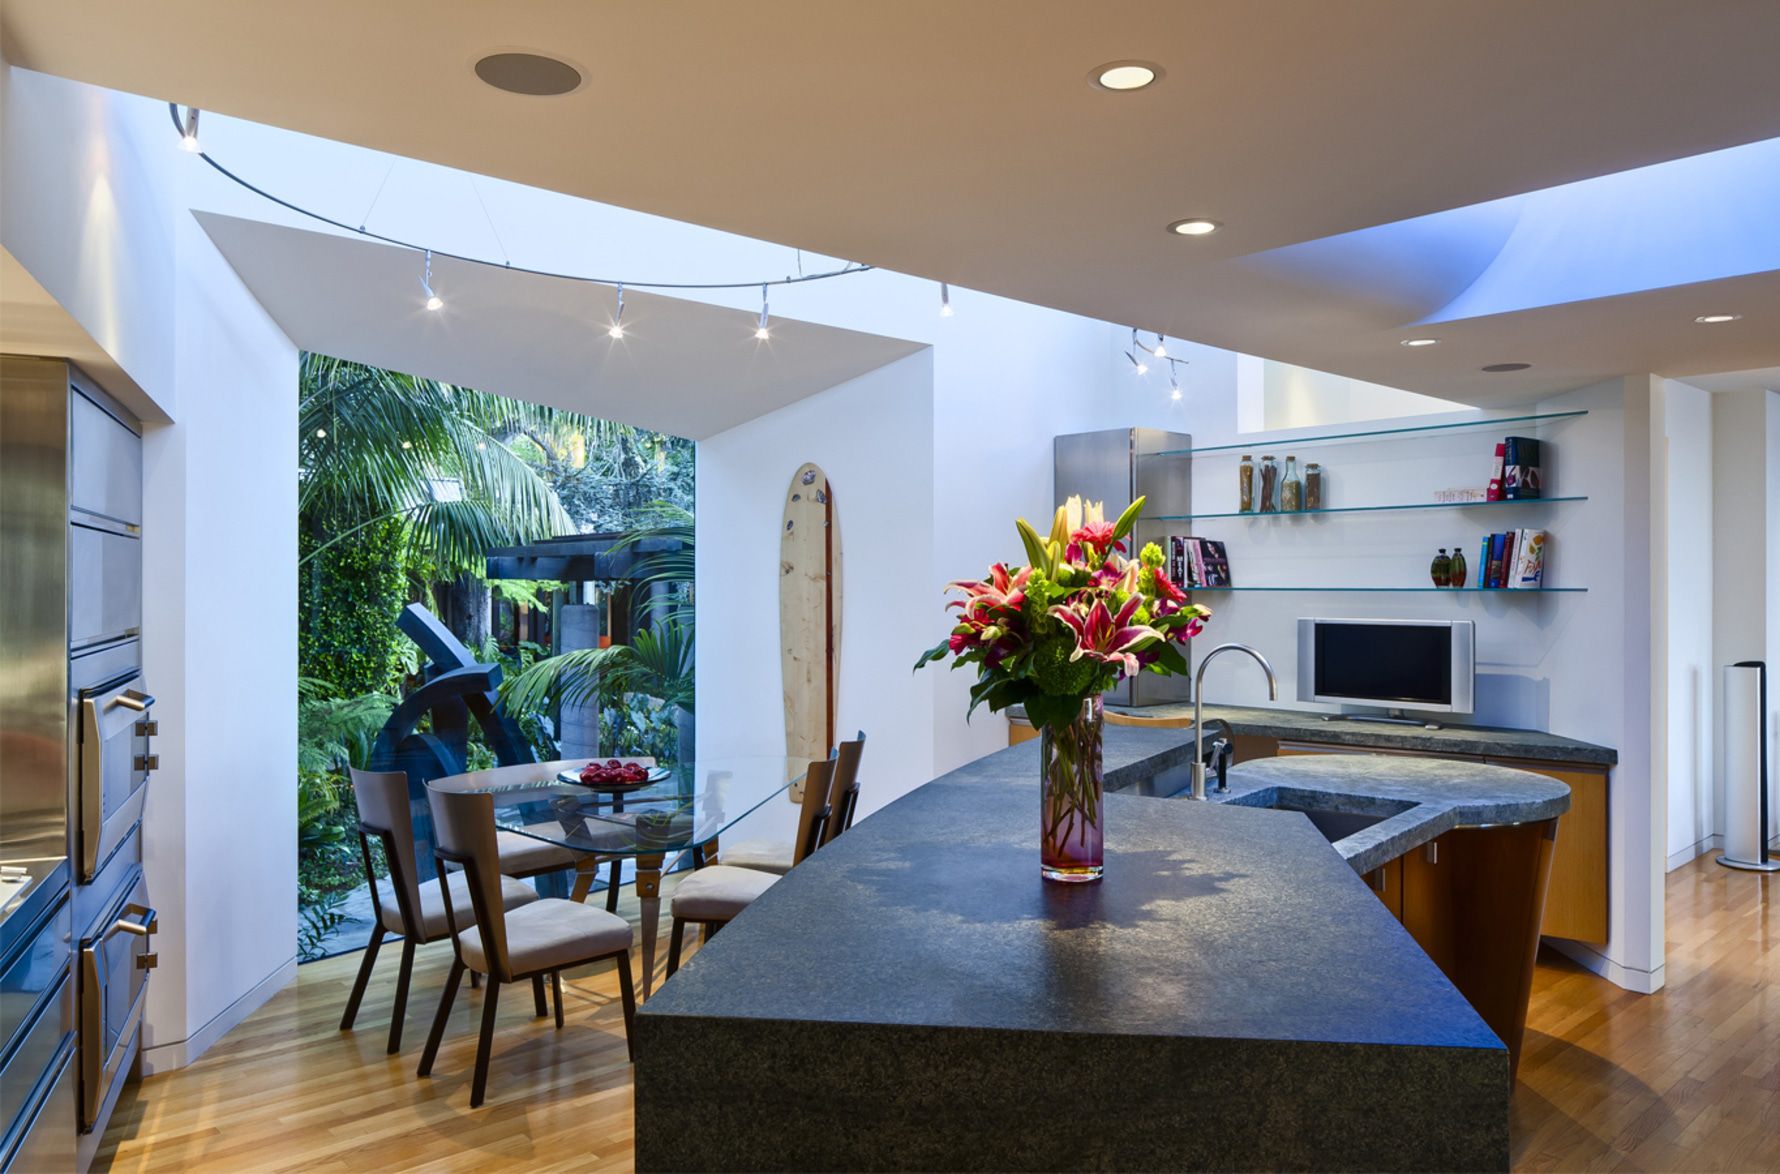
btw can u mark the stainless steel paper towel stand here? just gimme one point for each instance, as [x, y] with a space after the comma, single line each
[1746, 793]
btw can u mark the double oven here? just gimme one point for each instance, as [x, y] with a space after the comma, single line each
[78, 731]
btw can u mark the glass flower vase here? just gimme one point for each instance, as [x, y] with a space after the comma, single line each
[1071, 826]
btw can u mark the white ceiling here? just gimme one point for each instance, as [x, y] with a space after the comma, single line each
[962, 141]
[685, 368]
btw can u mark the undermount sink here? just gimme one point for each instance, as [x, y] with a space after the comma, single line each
[1336, 825]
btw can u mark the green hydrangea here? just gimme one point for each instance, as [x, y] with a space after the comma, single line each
[1150, 556]
[1053, 671]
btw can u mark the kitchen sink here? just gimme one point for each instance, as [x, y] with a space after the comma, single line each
[1336, 825]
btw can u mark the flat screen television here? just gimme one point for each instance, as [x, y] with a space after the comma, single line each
[1425, 666]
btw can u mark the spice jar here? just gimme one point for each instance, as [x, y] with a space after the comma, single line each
[1291, 489]
[1269, 486]
[1245, 484]
[1313, 486]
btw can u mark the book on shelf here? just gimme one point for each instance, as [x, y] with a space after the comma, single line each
[1522, 476]
[1198, 562]
[1494, 493]
[1514, 560]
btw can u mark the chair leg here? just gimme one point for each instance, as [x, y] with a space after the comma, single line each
[364, 976]
[479, 1084]
[612, 886]
[538, 996]
[556, 989]
[441, 1017]
[475, 979]
[400, 1011]
[629, 996]
[675, 941]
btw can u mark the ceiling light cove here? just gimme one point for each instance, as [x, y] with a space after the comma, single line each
[1194, 226]
[1125, 76]
[1420, 341]
[530, 74]
[1714, 319]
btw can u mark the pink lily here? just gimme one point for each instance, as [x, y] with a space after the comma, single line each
[1002, 592]
[1102, 636]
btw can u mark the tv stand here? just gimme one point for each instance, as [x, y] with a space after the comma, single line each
[1393, 717]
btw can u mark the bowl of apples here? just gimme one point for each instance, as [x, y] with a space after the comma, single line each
[614, 775]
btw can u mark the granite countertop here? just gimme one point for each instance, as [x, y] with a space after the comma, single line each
[1419, 798]
[1214, 919]
[921, 953]
[1493, 741]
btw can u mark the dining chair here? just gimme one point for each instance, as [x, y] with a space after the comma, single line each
[543, 937]
[400, 905]
[711, 897]
[776, 856]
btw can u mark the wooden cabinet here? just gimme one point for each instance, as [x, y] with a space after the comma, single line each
[1576, 904]
[1386, 883]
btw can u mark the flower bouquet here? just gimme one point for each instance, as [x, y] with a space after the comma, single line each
[1053, 636]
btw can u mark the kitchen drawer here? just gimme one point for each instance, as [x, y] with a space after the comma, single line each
[31, 975]
[105, 463]
[104, 584]
[30, 1068]
[45, 1139]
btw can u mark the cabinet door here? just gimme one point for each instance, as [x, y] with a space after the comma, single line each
[1576, 902]
[1386, 883]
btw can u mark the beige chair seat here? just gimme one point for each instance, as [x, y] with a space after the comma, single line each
[514, 894]
[772, 856]
[524, 855]
[719, 892]
[551, 933]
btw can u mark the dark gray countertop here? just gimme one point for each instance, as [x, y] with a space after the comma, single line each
[1220, 932]
[1490, 741]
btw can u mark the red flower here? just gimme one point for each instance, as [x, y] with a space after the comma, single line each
[1099, 535]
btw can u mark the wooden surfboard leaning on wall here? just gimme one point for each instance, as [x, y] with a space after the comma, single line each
[809, 616]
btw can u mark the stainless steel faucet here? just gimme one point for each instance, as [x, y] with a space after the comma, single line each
[1199, 701]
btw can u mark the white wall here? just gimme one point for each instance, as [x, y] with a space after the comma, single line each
[1300, 397]
[1693, 815]
[96, 198]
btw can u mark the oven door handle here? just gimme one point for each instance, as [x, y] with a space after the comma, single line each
[132, 699]
[98, 1066]
[137, 919]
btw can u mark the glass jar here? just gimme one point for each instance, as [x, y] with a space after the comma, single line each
[1245, 484]
[1313, 486]
[1269, 486]
[1441, 569]
[1291, 489]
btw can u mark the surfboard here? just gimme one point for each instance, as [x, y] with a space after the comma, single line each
[809, 617]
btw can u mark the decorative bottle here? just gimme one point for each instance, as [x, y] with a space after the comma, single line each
[1269, 486]
[1441, 569]
[1313, 486]
[1245, 484]
[1455, 572]
[1291, 490]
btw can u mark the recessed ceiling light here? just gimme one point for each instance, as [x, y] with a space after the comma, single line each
[1713, 318]
[1500, 368]
[531, 74]
[1420, 341]
[1194, 226]
[1126, 75]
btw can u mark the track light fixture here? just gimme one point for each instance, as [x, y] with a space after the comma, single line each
[1160, 350]
[945, 300]
[616, 330]
[761, 332]
[433, 300]
[1141, 367]
[188, 131]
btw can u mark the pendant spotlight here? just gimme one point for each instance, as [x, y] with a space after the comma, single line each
[433, 300]
[616, 330]
[761, 332]
[945, 300]
[188, 131]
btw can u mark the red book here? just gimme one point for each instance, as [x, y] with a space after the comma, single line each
[1495, 486]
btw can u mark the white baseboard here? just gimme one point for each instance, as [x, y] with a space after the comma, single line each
[1643, 982]
[1712, 843]
[178, 1053]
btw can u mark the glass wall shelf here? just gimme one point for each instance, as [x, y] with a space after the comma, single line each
[1257, 443]
[1368, 509]
[1430, 590]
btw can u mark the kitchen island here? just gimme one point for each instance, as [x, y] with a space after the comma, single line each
[1232, 995]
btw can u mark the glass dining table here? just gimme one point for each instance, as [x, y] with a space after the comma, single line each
[653, 826]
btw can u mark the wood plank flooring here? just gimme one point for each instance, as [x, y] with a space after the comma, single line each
[1687, 1079]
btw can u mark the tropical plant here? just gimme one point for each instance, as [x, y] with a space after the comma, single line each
[336, 732]
[657, 663]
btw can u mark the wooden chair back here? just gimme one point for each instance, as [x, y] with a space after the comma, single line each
[383, 812]
[814, 814]
[843, 789]
[463, 824]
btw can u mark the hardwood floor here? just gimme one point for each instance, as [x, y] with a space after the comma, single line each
[1687, 1079]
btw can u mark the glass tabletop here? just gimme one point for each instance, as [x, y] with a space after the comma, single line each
[691, 807]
